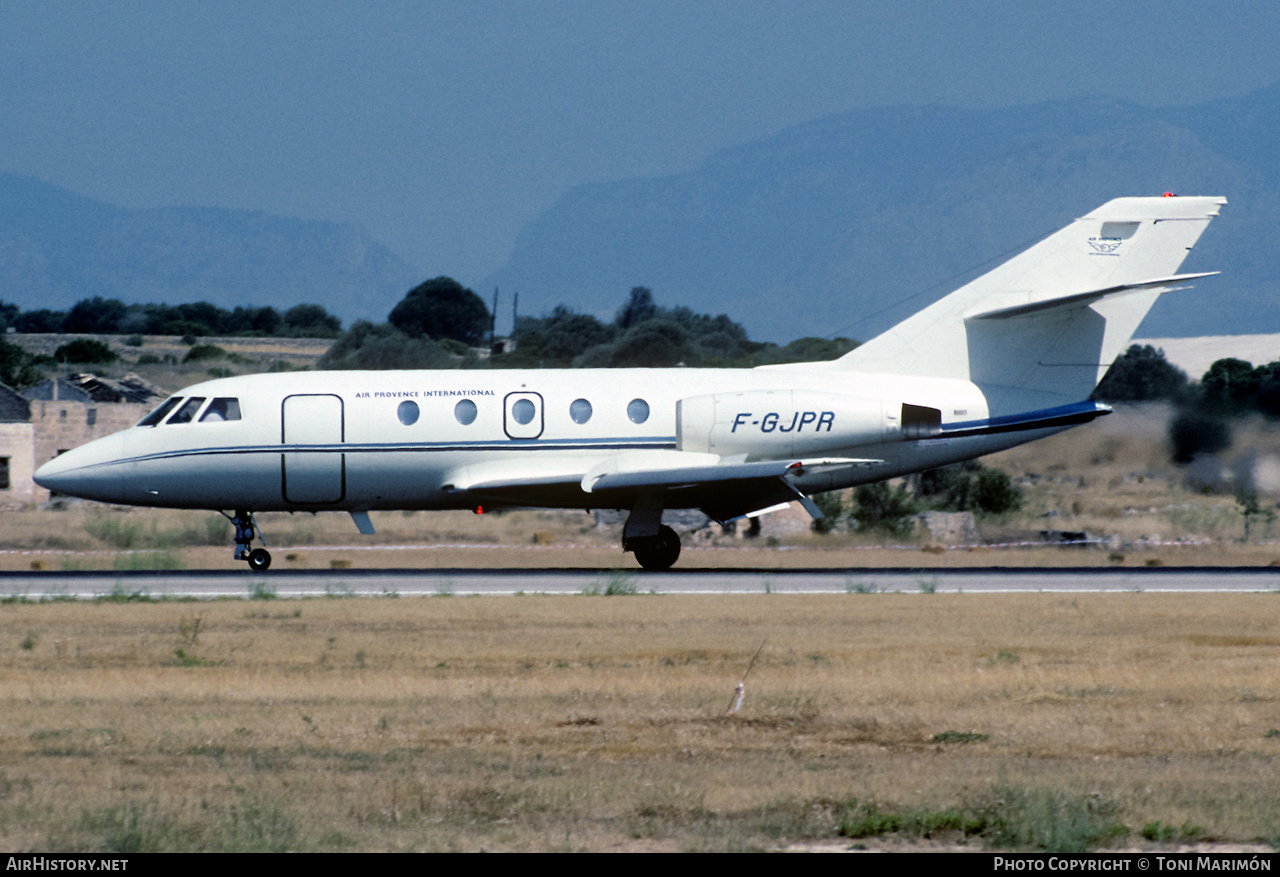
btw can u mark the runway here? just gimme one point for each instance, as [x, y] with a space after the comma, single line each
[212, 585]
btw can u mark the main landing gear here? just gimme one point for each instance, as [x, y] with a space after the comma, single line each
[259, 559]
[656, 552]
[656, 546]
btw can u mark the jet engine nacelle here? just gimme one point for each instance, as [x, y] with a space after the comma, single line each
[769, 424]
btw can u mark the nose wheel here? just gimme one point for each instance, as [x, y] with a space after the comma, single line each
[259, 559]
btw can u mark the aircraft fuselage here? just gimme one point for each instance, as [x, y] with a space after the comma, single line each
[364, 441]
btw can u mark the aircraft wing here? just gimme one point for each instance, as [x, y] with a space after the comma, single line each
[723, 489]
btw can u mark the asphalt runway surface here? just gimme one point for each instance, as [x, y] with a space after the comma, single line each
[243, 584]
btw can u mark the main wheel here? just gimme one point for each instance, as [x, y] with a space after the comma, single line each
[259, 560]
[658, 552]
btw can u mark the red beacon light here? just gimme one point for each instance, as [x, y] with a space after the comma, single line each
[1170, 195]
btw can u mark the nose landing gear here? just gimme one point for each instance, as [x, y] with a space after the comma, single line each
[259, 559]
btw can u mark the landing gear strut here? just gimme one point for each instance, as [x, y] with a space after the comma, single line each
[655, 545]
[259, 559]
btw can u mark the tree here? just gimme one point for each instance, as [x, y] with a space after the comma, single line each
[652, 344]
[17, 367]
[1230, 384]
[1268, 398]
[380, 347]
[95, 316]
[8, 313]
[557, 340]
[311, 321]
[1141, 374]
[265, 321]
[39, 321]
[638, 309]
[442, 308]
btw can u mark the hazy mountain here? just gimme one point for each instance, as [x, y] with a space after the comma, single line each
[57, 248]
[849, 223]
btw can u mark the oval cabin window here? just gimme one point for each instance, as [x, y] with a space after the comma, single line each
[580, 411]
[523, 411]
[408, 412]
[465, 412]
[638, 410]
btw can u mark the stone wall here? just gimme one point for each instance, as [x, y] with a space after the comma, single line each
[16, 443]
[62, 425]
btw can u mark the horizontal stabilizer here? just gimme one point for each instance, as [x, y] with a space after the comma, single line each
[1080, 299]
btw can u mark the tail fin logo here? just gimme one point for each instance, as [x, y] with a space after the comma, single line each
[1105, 246]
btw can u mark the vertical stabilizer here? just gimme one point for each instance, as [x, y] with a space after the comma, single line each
[1044, 327]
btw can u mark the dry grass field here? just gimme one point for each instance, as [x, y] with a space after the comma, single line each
[551, 723]
[548, 723]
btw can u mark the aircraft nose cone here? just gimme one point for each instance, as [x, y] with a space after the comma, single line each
[93, 471]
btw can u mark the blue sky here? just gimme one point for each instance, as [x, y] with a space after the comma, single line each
[444, 127]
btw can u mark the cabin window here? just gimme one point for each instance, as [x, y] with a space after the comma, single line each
[160, 413]
[221, 409]
[4, 473]
[579, 410]
[408, 412]
[523, 411]
[638, 410]
[91, 416]
[187, 412]
[465, 412]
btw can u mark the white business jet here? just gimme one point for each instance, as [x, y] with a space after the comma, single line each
[1006, 359]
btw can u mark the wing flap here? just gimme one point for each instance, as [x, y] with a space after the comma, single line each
[498, 474]
[722, 489]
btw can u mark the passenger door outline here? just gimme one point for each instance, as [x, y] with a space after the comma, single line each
[317, 476]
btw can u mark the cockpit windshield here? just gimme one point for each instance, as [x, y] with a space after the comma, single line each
[221, 409]
[188, 410]
[160, 413]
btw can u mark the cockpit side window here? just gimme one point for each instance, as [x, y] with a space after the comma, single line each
[188, 411]
[160, 413]
[221, 409]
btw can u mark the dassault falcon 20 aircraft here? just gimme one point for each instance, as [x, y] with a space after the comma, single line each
[1008, 358]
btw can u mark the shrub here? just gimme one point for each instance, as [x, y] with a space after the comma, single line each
[832, 507]
[969, 486]
[85, 350]
[201, 352]
[994, 493]
[878, 507]
[369, 346]
[1195, 431]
